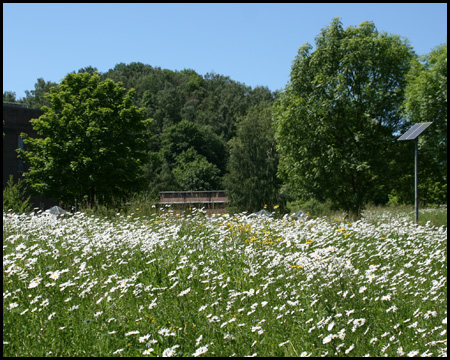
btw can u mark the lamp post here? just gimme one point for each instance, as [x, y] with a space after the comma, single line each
[413, 134]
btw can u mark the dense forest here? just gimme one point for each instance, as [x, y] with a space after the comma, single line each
[194, 118]
[210, 132]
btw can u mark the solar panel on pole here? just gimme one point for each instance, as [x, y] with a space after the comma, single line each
[413, 134]
[415, 131]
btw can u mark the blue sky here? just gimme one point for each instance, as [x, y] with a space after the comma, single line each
[254, 44]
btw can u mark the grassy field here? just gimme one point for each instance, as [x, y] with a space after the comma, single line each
[231, 285]
[437, 216]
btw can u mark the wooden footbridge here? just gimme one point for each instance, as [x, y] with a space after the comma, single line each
[213, 201]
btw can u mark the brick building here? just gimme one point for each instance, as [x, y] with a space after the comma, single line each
[16, 119]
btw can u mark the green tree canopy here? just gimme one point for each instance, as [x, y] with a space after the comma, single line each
[252, 179]
[36, 98]
[9, 96]
[184, 135]
[194, 172]
[426, 93]
[426, 101]
[336, 119]
[92, 142]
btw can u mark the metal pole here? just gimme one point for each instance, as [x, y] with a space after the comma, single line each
[416, 182]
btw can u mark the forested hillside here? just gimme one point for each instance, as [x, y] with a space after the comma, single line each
[193, 119]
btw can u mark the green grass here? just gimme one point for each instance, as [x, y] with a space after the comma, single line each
[226, 285]
[437, 215]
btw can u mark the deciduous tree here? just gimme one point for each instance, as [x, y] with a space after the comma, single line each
[252, 180]
[337, 118]
[194, 172]
[92, 144]
[426, 101]
[36, 98]
[9, 96]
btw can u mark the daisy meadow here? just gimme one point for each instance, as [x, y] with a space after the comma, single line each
[193, 284]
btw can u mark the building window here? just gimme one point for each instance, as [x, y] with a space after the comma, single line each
[20, 145]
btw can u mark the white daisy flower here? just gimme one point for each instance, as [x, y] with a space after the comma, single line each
[327, 339]
[200, 350]
[132, 333]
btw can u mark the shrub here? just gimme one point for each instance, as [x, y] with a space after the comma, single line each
[313, 207]
[14, 197]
